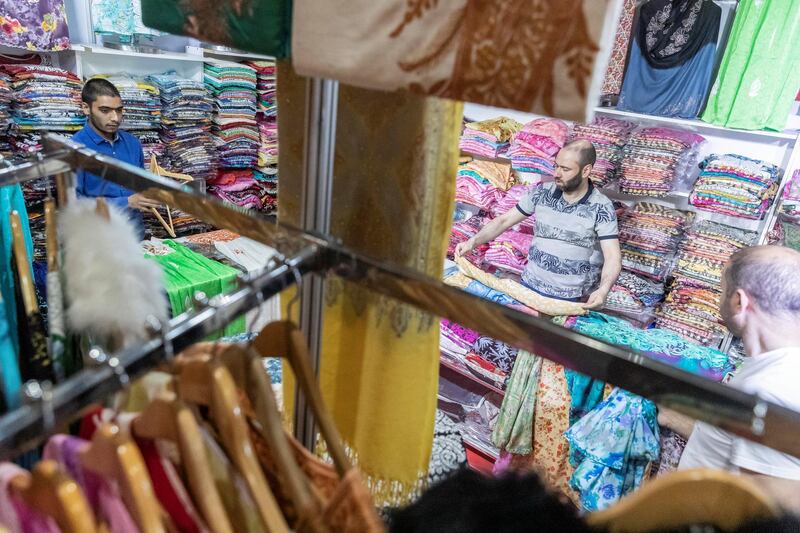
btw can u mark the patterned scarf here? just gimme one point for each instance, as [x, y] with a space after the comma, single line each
[670, 32]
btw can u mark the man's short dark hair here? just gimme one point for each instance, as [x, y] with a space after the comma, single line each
[97, 87]
[585, 151]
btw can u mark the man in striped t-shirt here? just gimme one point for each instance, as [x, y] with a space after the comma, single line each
[575, 252]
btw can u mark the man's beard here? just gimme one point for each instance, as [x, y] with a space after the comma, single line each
[571, 185]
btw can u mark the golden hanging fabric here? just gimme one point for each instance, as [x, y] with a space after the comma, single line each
[395, 161]
[542, 56]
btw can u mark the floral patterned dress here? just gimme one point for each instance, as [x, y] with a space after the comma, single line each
[37, 25]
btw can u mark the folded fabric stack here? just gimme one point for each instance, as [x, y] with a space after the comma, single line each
[269, 183]
[654, 157]
[692, 305]
[45, 98]
[608, 136]
[509, 201]
[141, 100]
[266, 87]
[488, 138]
[185, 125]
[235, 131]
[474, 189]
[456, 340]
[534, 147]
[466, 230]
[791, 195]
[735, 185]
[151, 146]
[268, 147]
[691, 309]
[634, 294]
[241, 188]
[6, 95]
[649, 236]
[489, 173]
[509, 251]
[24, 143]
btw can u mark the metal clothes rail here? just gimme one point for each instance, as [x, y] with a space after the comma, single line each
[730, 409]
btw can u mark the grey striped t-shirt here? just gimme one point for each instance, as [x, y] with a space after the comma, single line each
[565, 261]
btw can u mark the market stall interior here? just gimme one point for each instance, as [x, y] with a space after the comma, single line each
[148, 310]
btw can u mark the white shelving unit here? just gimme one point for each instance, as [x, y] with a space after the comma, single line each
[779, 148]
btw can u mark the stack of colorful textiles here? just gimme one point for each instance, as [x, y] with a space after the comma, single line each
[649, 236]
[634, 294]
[235, 131]
[692, 305]
[466, 230]
[534, 147]
[24, 143]
[45, 98]
[706, 249]
[654, 157]
[509, 251]
[474, 189]
[791, 195]
[489, 173]
[608, 136]
[141, 100]
[151, 145]
[268, 147]
[509, 201]
[735, 185]
[266, 87]
[5, 100]
[241, 188]
[692, 310]
[455, 340]
[268, 182]
[488, 138]
[185, 124]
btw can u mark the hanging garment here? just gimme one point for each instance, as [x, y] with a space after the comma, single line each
[759, 74]
[367, 374]
[39, 25]
[11, 199]
[613, 446]
[513, 431]
[542, 56]
[260, 26]
[119, 17]
[612, 82]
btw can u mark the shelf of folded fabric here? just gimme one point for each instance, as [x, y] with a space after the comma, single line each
[697, 125]
[229, 54]
[680, 200]
[464, 372]
[499, 159]
[163, 55]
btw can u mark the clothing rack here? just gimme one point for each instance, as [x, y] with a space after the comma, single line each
[744, 414]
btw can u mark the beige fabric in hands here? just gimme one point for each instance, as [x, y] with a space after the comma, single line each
[543, 304]
[542, 56]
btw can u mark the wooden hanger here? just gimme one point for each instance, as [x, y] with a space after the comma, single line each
[167, 418]
[52, 236]
[687, 497]
[113, 456]
[62, 190]
[101, 208]
[248, 370]
[158, 170]
[27, 287]
[49, 490]
[210, 384]
[283, 339]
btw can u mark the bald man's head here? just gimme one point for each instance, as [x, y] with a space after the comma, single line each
[584, 152]
[769, 275]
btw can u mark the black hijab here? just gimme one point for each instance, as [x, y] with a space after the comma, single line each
[670, 32]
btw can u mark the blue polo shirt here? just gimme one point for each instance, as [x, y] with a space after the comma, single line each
[126, 148]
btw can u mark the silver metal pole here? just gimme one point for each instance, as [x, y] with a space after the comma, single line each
[320, 141]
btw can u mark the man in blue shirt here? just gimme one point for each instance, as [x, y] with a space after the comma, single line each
[102, 105]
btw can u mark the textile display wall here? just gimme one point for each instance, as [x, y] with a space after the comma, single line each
[379, 359]
[543, 56]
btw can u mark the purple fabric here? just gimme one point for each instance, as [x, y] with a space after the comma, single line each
[34, 24]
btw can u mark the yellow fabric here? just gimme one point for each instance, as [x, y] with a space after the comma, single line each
[395, 161]
[543, 304]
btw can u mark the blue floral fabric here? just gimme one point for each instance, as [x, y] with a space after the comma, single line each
[613, 446]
